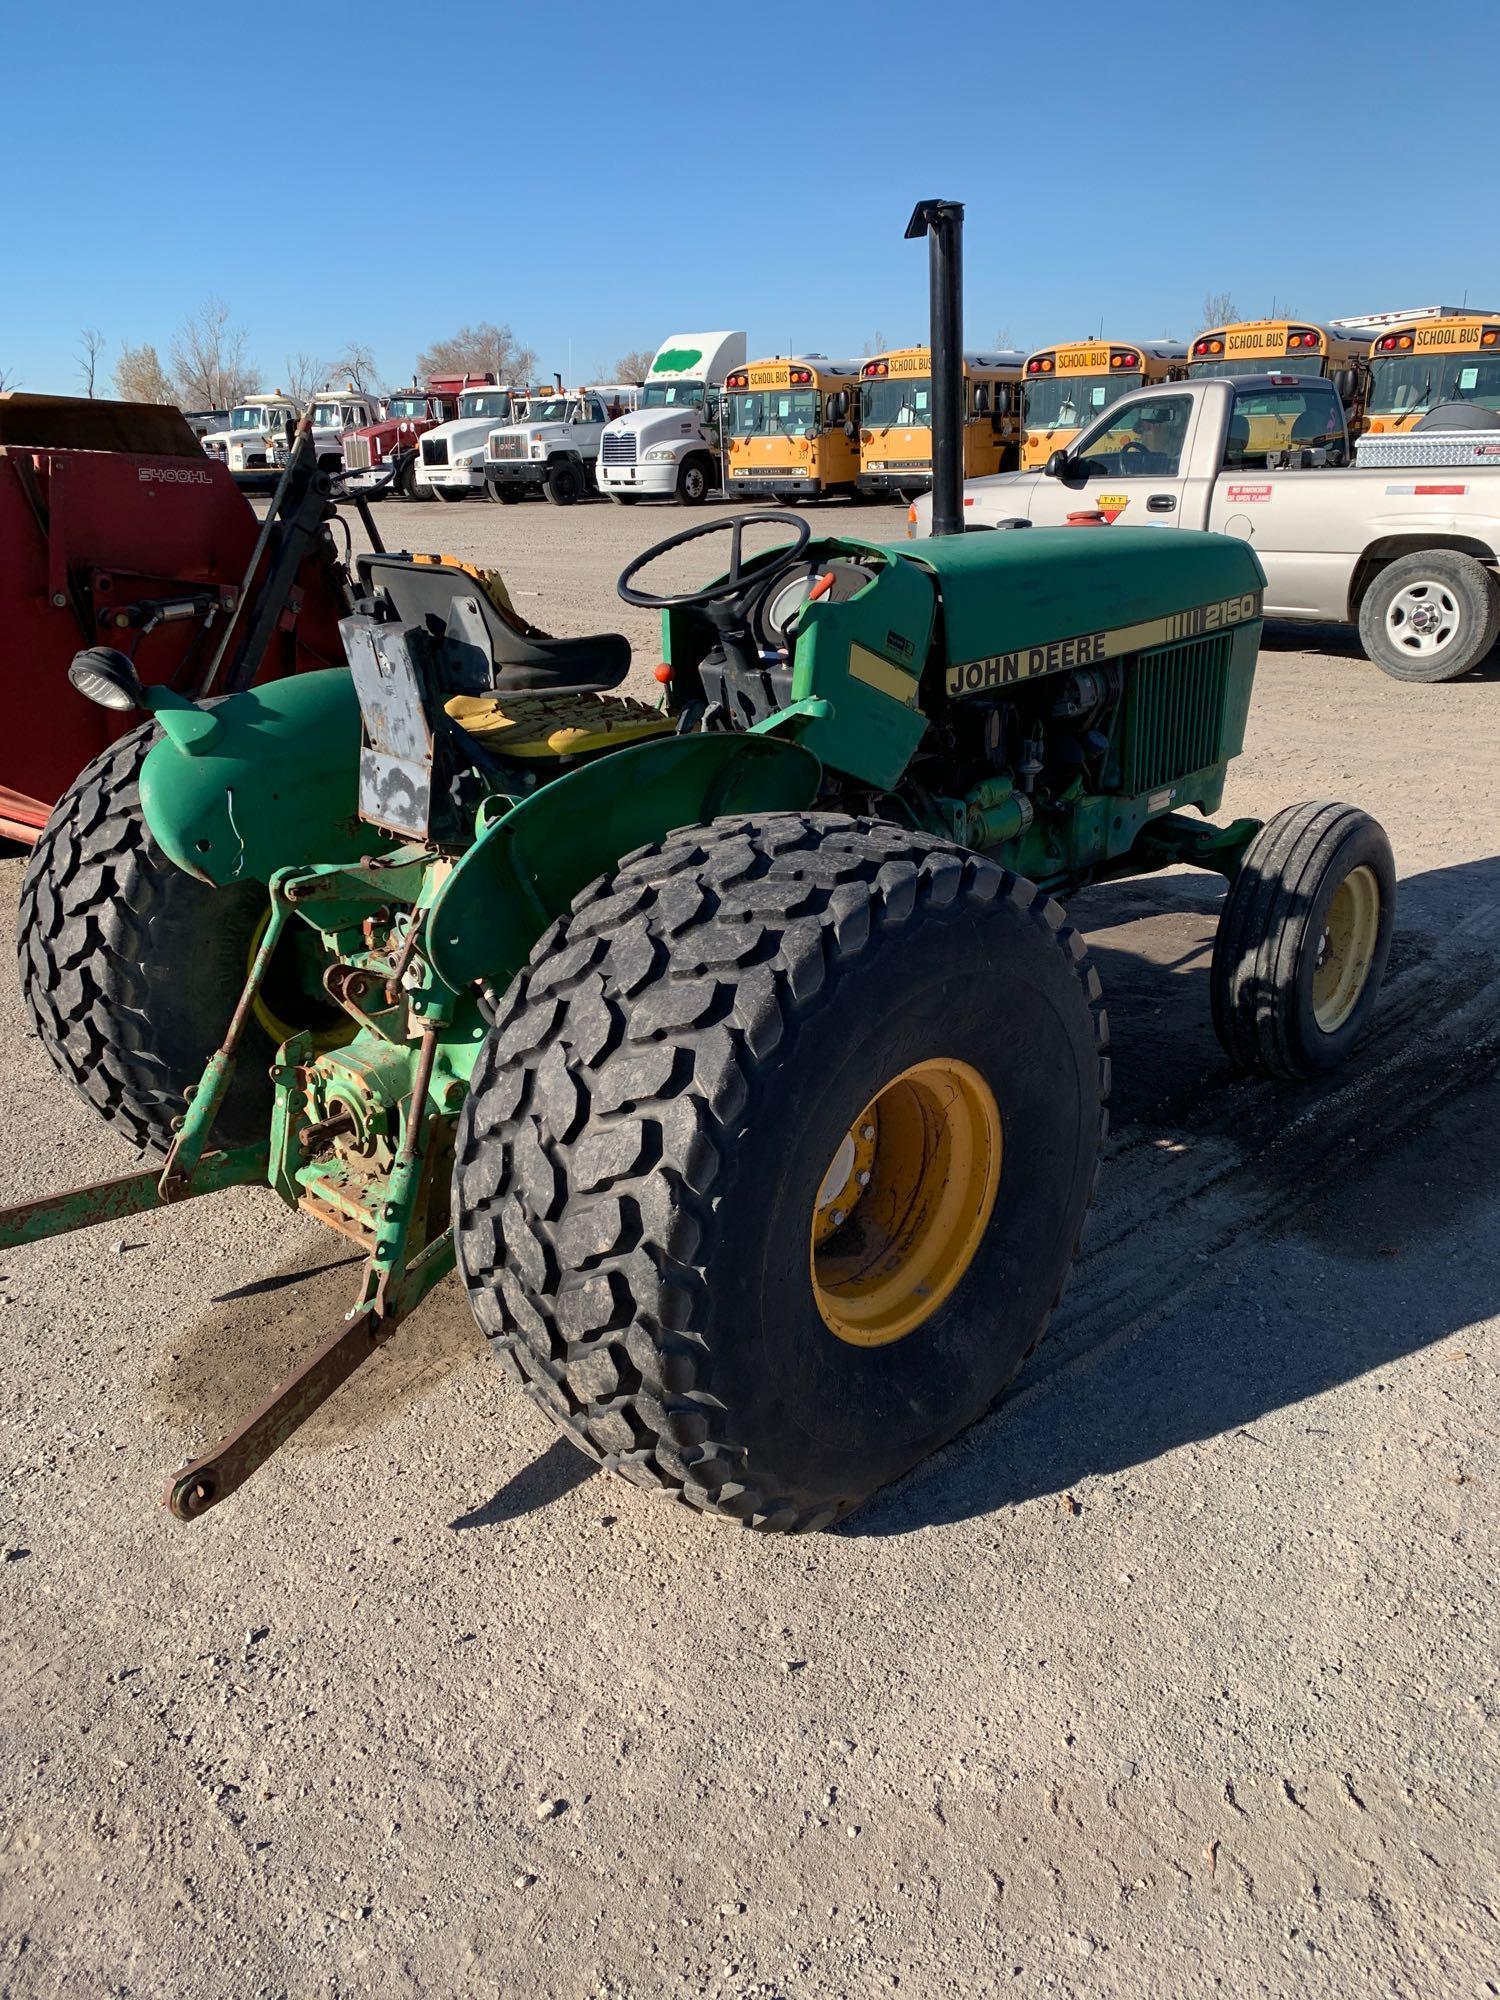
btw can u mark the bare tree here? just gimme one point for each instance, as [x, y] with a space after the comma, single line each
[1219, 309]
[1004, 338]
[8, 380]
[209, 368]
[140, 377]
[90, 348]
[635, 364]
[303, 376]
[479, 350]
[357, 365]
[876, 343]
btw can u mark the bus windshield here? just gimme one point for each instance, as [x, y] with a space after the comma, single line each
[672, 395]
[906, 400]
[1060, 402]
[774, 412]
[1409, 382]
[1262, 364]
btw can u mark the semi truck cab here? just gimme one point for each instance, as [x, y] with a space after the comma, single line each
[670, 447]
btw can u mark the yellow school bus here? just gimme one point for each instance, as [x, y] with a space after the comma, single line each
[789, 428]
[1287, 347]
[1432, 361]
[895, 418]
[1067, 387]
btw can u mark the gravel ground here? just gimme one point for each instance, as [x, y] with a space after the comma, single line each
[1175, 1677]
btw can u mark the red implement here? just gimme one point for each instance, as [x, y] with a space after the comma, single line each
[115, 529]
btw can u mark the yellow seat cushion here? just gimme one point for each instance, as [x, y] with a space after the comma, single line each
[556, 725]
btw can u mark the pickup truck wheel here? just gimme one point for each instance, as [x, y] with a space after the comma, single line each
[751, 1236]
[1303, 940]
[1430, 616]
[564, 483]
[693, 482]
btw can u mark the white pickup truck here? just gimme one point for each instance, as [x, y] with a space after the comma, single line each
[1408, 557]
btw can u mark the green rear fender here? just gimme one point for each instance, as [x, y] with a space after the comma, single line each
[527, 865]
[273, 784]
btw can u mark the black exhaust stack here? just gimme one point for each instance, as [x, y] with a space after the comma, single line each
[942, 222]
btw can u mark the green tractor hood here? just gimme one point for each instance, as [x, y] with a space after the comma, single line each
[1025, 601]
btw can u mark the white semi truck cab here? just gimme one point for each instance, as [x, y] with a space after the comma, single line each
[554, 448]
[450, 458]
[334, 411]
[670, 446]
[256, 427]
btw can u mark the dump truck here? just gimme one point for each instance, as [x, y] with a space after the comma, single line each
[380, 459]
[737, 1048]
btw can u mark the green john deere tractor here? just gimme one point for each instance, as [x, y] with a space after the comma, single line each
[738, 1049]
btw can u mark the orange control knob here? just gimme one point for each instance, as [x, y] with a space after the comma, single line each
[663, 673]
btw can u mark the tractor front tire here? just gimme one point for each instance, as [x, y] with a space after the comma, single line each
[130, 969]
[1303, 940]
[777, 1156]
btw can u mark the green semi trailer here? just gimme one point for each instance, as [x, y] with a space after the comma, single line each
[738, 1048]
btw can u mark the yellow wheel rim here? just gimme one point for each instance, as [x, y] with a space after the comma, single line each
[1346, 950]
[338, 1030]
[905, 1201]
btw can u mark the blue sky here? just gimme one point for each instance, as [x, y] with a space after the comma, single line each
[601, 178]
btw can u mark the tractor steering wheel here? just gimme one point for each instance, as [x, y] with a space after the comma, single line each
[729, 586]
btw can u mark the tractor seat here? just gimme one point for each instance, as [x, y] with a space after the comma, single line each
[552, 725]
[421, 590]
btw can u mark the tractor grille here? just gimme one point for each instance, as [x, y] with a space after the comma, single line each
[619, 449]
[357, 454]
[1176, 713]
[434, 451]
[505, 446]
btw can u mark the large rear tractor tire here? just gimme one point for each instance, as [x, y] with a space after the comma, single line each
[130, 968]
[777, 1156]
[1430, 616]
[1303, 940]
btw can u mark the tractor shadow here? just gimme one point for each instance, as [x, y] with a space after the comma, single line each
[215, 1372]
[1362, 1251]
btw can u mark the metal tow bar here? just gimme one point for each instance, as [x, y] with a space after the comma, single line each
[212, 1478]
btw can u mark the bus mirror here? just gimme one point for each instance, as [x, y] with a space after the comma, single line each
[851, 429]
[1056, 466]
